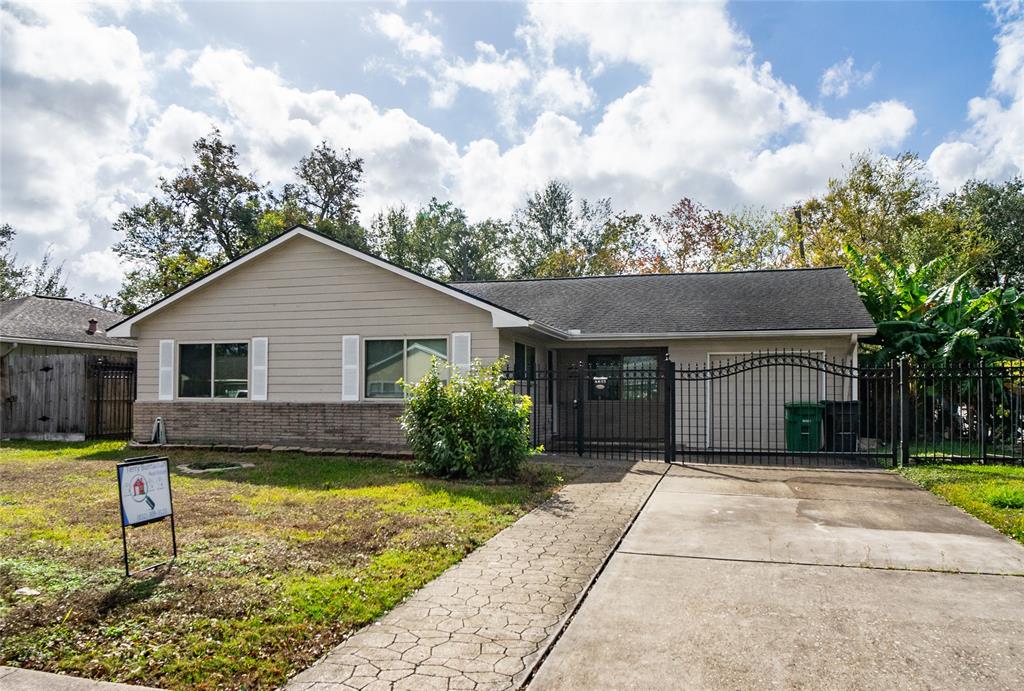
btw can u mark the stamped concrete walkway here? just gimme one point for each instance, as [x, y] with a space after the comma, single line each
[14, 679]
[485, 622]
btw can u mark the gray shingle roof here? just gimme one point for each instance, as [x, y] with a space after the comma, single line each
[779, 300]
[58, 319]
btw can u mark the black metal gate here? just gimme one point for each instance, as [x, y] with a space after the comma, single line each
[785, 408]
[111, 385]
[617, 412]
[780, 408]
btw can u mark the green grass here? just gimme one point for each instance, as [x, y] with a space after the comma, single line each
[993, 493]
[277, 563]
[961, 449]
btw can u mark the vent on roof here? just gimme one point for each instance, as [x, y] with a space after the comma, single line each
[92, 327]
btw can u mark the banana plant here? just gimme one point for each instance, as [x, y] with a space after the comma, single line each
[935, 322]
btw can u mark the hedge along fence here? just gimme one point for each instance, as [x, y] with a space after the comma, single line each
[469, 425]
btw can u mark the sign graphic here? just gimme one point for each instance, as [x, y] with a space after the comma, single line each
[145, 491]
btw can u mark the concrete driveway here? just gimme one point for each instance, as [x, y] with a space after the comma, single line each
[742, 577]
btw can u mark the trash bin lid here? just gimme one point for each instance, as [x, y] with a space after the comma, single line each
[804, 404]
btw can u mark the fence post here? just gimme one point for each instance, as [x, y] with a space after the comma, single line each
[669, 372]
[982, 411]
[894, 410]
[904, 411]
[578, 405]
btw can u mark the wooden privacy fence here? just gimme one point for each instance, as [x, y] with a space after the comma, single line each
[66, 396]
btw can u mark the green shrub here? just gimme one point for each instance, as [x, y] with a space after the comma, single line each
[468, 426]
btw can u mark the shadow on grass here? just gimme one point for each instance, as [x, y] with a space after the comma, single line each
[300, 471]
[113, 450]
[975, 473]
[132, 590]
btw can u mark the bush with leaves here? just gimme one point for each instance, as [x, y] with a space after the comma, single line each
[935, 322]
[468, 426]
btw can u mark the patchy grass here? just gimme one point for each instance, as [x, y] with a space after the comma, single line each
[993, 493]
[277, 563]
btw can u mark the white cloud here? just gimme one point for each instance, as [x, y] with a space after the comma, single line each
[491, 72]
[563, 91]
[412, 39]
[992, 147]
[275, 124]
[102, 266]
[169, 138]
[72, 91]
[83, 137]
[838, 79]
[709, 121]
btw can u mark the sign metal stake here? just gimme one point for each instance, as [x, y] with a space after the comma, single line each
[149, 500]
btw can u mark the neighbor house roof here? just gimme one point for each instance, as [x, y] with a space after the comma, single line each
[805, 300]
[45, 320]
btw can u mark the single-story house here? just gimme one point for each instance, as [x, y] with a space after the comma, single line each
[301, 341]
[62, 375]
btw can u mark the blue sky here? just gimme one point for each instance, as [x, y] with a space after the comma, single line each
[732, 104]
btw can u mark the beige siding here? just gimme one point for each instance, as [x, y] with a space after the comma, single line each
[304, 296]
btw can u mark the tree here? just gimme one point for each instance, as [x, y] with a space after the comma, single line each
[217, 204]
[995, 212]
[19, 280]
[440, 242]
[391, 236]
[693, 236]
[552, 227]
[206, 215]
[620, 245]
[328, 193]
[920, 314]
[12, 274]
[884, 207]
[47, 278]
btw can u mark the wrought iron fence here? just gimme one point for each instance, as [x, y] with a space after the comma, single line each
[111, 384]
[791, 408]
[964, 413]
[779, 408]
[611, 411]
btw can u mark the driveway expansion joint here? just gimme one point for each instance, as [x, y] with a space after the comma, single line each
[776, 562]
[486, 622]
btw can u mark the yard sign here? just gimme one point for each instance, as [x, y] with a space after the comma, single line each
[144, 489]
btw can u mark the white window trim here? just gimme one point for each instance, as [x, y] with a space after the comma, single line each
[211, 397]
[405, 349]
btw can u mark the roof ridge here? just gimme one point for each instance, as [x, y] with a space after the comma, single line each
[675, 273]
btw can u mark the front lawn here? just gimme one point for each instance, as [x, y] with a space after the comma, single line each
[993, 493]
[277, 563]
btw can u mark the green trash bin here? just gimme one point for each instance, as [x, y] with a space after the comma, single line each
[803, 425]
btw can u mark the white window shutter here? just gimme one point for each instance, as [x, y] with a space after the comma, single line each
[166, 385]
[258, 385]
[350, 368]
[461, 349]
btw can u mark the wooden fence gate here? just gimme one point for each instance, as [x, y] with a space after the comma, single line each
[65, 397]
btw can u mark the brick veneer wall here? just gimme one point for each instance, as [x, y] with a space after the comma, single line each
[343, 425]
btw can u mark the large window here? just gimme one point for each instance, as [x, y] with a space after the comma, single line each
[387, 361]
[616, 377]
[213, 370]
